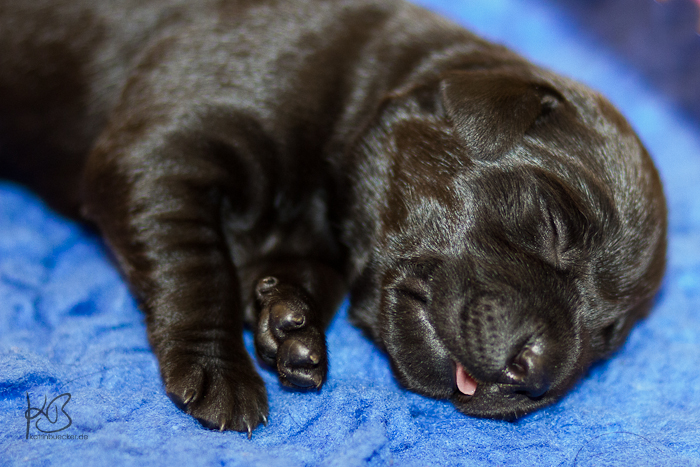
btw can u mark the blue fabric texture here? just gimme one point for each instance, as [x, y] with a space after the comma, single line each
[68, 325]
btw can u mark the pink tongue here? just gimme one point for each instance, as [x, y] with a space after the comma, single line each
[465, 383]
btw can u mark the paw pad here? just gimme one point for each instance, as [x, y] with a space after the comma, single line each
[286, 337]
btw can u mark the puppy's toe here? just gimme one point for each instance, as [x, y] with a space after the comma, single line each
[286, 317]
[266, 344]
[302, 362]
[287, 338]
[221, 395]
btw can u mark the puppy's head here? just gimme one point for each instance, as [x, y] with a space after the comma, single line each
[519, 232]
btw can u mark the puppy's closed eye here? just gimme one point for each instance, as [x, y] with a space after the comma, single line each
[566, 227]
[557, 240]
[413, 288]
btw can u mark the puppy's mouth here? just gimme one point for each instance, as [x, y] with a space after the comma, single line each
[465, 383]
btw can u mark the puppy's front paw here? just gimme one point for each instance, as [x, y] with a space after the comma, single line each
[221, 394]
[287, 337]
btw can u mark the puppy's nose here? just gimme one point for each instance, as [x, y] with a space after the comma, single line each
[528, 371]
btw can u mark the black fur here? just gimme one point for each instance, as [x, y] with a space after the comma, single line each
[252, 161]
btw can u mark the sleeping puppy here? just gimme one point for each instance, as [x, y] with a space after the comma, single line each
[499, 227]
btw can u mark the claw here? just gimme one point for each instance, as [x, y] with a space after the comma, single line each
[264, 420]
[250, 431]
[314, 358]
[296, 320]
[189, 397]
[286, 319]
[318, 381]
[265, 285]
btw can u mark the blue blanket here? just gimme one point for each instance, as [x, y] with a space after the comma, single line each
[73, 342]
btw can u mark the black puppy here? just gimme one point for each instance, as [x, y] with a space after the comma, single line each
[499, 227]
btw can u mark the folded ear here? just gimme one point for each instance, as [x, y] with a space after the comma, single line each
[492, 110]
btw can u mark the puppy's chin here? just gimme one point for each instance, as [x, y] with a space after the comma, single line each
[440, 377]
[493, 401]
[449, 379]
[506, 401]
